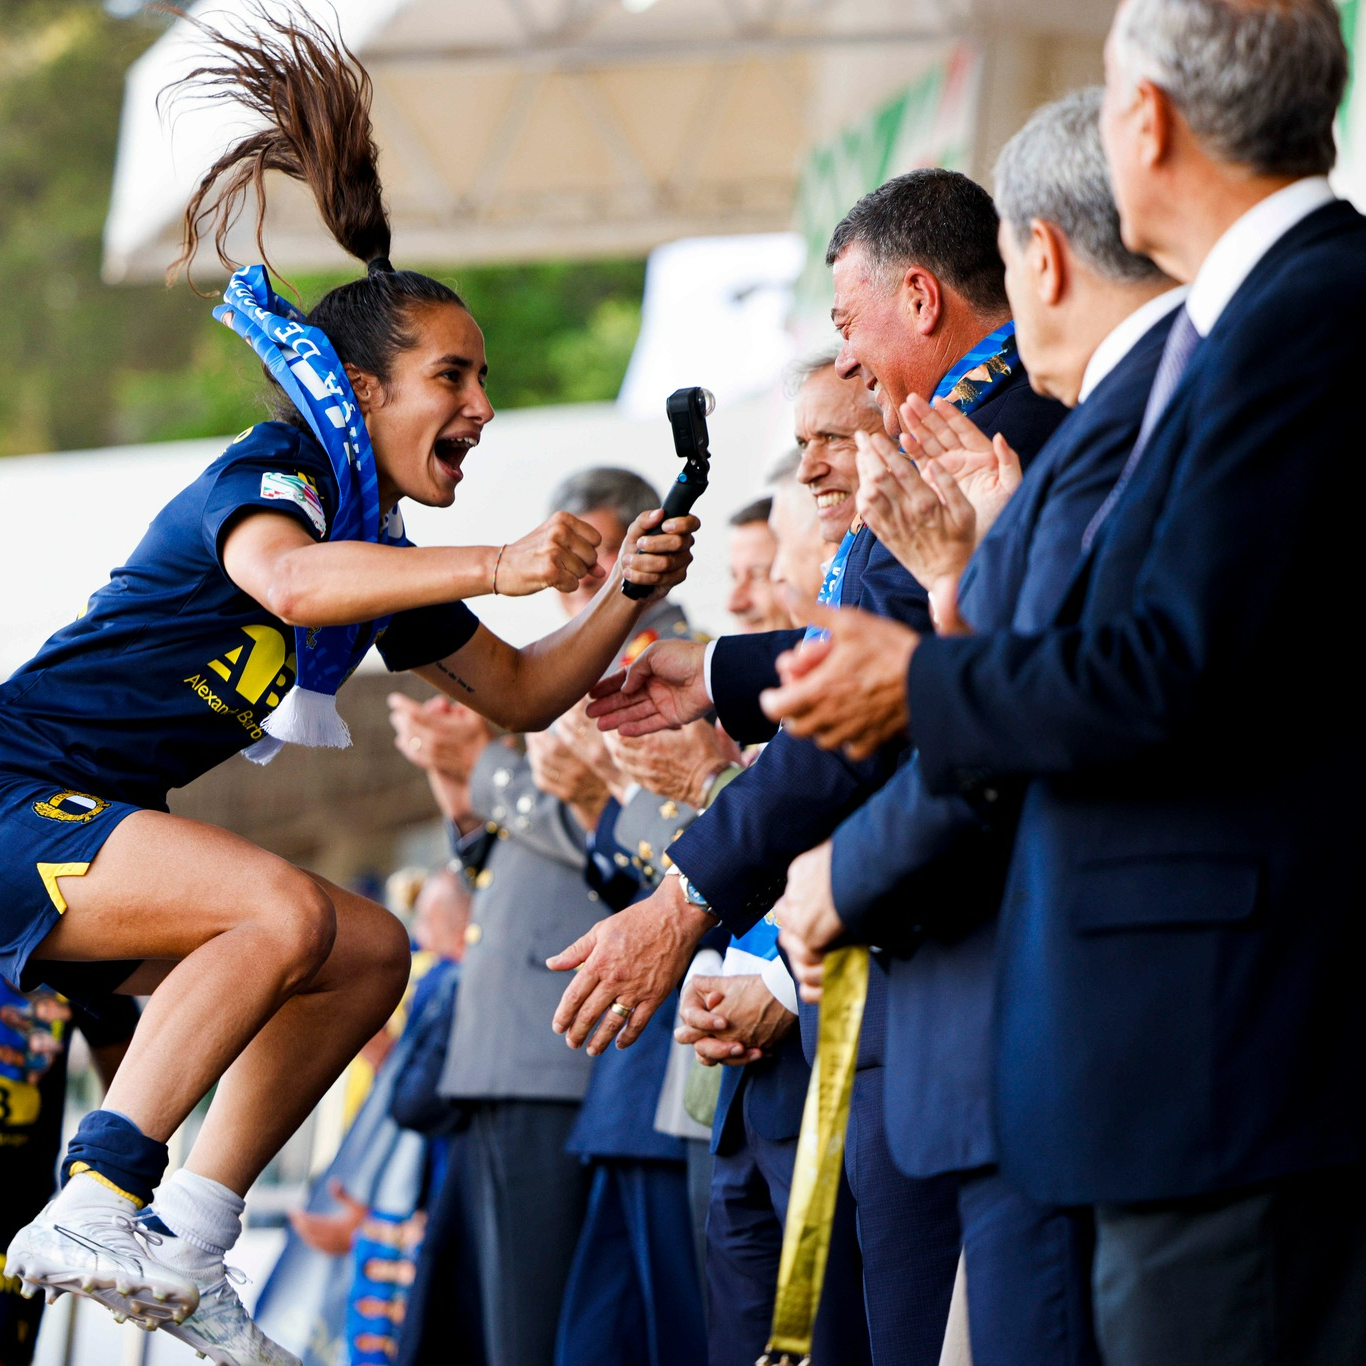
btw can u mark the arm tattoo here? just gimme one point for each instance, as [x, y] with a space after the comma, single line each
[454, 677]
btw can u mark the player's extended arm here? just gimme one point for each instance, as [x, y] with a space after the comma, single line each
[310, 583]
[527, 688]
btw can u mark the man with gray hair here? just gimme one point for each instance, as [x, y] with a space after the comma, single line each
[1180, 1022]
[1091, 319]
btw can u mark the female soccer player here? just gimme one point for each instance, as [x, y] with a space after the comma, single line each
[280, 563]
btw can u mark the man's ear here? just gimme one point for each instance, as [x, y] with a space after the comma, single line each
[1046, 258]
[922, 299]
[367, 388]
[1156, 123]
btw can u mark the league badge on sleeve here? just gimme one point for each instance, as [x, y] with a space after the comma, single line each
[297, 489]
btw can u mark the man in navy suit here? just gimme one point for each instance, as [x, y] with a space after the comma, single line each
[1179, 1020]
[763, 1089]
[923, 873]
[916, 261]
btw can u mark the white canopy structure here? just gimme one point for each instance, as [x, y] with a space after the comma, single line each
[524, 129]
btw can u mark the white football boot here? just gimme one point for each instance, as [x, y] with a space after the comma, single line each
[105, 1255]
[222, 1330]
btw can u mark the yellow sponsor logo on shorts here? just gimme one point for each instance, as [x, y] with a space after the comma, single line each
[66, 805]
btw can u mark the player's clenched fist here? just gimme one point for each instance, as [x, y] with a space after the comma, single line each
[558, 554]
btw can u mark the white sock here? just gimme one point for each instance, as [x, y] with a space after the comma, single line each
[86, 1192]
[204, 1215]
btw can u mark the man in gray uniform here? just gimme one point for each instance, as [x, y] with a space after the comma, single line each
[520, 1084]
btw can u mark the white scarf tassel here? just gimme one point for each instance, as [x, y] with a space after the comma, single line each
[303, 718]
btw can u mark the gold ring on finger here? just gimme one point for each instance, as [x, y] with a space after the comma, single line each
[618, 1009]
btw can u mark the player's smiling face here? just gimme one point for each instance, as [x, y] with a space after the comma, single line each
[431, 413]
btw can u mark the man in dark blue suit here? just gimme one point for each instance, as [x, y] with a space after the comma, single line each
[919, 292]
[923, 874]
[1180, 1028]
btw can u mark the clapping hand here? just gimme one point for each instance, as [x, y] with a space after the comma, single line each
[985, 469]
[438, 735]
[922, 517]
[664, 688]
[680, 764]
[579, 732]
[558, 770]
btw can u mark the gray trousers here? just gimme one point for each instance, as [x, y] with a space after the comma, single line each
[526, 1205]
[1274, 1276]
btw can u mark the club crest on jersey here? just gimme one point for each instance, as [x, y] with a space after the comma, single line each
[71, 806]
[300, 490]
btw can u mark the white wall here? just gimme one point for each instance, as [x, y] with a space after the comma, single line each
[74, 517]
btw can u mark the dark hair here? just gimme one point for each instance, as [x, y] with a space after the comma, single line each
[315, 98]
[933, 218]
[757, 511]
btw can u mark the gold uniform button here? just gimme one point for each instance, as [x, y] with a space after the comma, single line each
[621, 860]
[485, 877]
[473, 933]
[491, 827]
[669, 810]
[525, 803]
[645, 849]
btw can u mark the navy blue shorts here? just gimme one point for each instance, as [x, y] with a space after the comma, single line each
[48, 832]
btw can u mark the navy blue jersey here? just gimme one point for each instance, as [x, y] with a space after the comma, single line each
[172, 668]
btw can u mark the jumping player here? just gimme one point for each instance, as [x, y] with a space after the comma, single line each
[252, 596]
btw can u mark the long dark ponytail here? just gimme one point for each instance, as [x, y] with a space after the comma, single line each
[314, 95]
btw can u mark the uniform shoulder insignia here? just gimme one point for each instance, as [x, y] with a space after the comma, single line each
[645, 849]
[669, 810]
[636, 645]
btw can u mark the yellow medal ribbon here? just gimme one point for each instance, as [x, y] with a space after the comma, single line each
[820, 1155]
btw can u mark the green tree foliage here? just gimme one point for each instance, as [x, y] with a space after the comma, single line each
[86, 364]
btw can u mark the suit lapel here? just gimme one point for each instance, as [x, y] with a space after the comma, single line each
[1165, 443]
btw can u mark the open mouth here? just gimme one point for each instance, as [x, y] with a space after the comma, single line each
[831, 498]
[450, 452]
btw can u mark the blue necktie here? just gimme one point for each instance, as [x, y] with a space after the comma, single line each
[1176, 354]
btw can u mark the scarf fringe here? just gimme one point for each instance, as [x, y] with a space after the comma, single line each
[308, 718]
[263, 751]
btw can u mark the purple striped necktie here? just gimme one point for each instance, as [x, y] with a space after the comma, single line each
[1176, 354]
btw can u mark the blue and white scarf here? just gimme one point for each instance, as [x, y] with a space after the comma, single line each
[302, 361]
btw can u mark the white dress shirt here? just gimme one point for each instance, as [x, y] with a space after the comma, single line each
[1236, 254]
[1125, 337]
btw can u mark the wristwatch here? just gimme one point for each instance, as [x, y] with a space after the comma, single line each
[690, 893]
